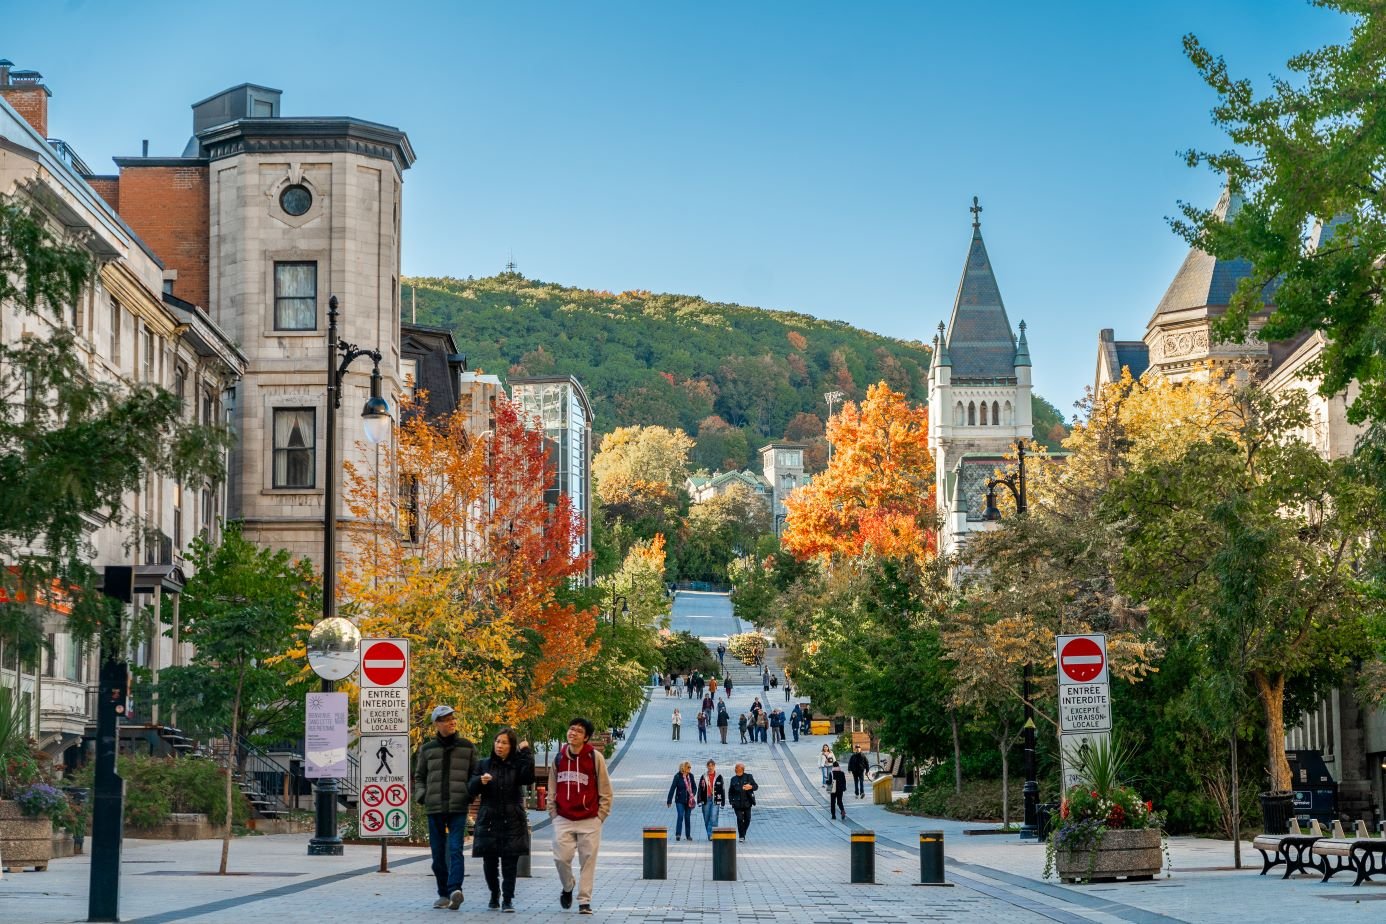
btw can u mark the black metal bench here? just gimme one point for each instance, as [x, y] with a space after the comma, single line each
[1368, 857]
[1293, 849]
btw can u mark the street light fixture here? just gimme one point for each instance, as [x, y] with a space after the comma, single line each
[624, 606]
[1016, 485]
[376, 420]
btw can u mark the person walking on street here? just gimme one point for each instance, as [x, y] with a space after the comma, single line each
[723, 720]
[702, 726]
[721, 654]
[765, 681]
[857, 765]
[839, 786]
[441, 772]
[580, 804]
[788, 691]
[741, 724]
[692, 683]
[794, 718]
[825, 764]
[676, 722]
[712, 795]
[668, 686]
[683, 796]
[712, 687]
[501, 836]
[707, 707]
[727, 685]
[763, 725]
[742, 796]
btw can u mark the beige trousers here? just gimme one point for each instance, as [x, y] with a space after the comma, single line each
[583, 837]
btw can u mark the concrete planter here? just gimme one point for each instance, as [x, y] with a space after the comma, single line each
[24, 841]
[1133, 855]
[181, 827]
[62, 845]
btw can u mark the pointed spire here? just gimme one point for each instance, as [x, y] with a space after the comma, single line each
[1022, 349]
[979, 340]
[941, 358]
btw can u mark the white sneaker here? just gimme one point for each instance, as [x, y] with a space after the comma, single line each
[442, 902]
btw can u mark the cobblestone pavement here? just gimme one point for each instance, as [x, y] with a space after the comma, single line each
[794, 866]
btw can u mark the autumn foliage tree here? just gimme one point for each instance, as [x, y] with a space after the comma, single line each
[458, 550]
[877, 494]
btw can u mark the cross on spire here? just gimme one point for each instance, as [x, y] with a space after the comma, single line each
[976, 211]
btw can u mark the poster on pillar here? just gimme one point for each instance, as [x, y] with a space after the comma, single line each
[325, 736]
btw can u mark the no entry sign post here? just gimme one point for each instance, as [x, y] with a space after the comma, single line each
[1085, 702]
[384, 749]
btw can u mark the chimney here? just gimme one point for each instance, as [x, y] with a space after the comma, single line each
[24, 90]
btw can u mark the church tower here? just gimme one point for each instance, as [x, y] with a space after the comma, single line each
[979, 395]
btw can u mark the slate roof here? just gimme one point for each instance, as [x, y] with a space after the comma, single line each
[1205, 281]
[969, 482]
[979, 341]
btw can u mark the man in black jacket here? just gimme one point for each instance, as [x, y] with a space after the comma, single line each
[839, 786]
[441, 774]
[741, 794]
[712, 795]
[857, 765]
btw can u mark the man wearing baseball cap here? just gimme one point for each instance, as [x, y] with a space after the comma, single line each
[441, 772]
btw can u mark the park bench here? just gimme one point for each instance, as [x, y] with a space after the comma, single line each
[1291, 849]
[1334, 853]
[1368, 857]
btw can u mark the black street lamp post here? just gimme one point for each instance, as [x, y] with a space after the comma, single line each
[1016, 485]
[376, 415]
[618, 605]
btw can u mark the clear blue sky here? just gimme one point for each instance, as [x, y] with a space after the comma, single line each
[818, 157]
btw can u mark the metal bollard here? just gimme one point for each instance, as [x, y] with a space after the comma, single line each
[656, 853]
[864, 856]
[931, 859]
[724, 854]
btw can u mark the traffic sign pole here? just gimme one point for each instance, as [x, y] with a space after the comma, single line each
[1085, 705]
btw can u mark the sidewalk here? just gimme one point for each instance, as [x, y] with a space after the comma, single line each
[1200, 885]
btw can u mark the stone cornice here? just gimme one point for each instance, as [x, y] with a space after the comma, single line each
[137, 298]
[311, 135]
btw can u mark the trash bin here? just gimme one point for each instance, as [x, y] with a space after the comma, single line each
[881, 790]
[820, 727]
[1045, 815]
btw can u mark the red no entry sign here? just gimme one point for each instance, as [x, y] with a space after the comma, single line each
[383, 663]
[1082, 659]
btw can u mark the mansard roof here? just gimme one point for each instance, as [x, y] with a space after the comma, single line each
[979, 341]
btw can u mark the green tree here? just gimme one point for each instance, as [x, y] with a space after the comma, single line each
[1308, 153]
[242, 609]
[70, 446]
[1253, 541]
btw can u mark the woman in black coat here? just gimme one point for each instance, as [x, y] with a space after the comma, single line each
[501, 835]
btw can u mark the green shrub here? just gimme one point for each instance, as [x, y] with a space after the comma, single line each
[157, 787]
[980, 800]
[683, 653]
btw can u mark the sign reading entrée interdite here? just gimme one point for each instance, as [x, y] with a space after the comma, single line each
[1085, 700]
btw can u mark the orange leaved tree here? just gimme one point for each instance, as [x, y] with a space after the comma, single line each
[877, 494]
[459, 549]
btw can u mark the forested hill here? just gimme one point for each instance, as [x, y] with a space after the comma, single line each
[733, 377]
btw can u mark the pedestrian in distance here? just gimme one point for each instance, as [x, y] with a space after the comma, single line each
[857, 765]
[700, 682]
[668, 686]
[794, 718]
[691, 683]
[839, 786]
[581, 802]
[683, 796]
[741, 724]
[765, 681]
[825, 764]
[441, 773]
[675, 723]
[788, 691]
[727, 685]
[774, 681]
[712, 687]
[702, 726]
[723, 720]
[763, 726]
[712, 795]
[501, 835]
[742, 796]
[707, 705]
[722, 654]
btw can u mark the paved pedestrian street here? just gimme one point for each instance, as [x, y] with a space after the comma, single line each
[793, 868]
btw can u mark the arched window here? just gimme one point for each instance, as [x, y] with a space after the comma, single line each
[971, 414]
[984, 413]
[959, 415]
[1010, 415]
[995, 414]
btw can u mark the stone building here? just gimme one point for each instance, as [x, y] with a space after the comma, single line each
[130, 329]
[782, 467]
[979, 396]
[705, 487]
[1177, 345]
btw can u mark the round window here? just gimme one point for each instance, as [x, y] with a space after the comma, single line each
[296, 199]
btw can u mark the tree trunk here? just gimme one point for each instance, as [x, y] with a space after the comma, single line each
[231, 770]
[1236, 809]
[957, 753]
[1005, 785]
[1271, 690]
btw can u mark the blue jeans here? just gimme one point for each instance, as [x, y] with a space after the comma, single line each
[711, 812]
[683, 820]
[445, 833]
[702, 732]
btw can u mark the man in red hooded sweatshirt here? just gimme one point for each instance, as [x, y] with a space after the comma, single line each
[581, 801]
